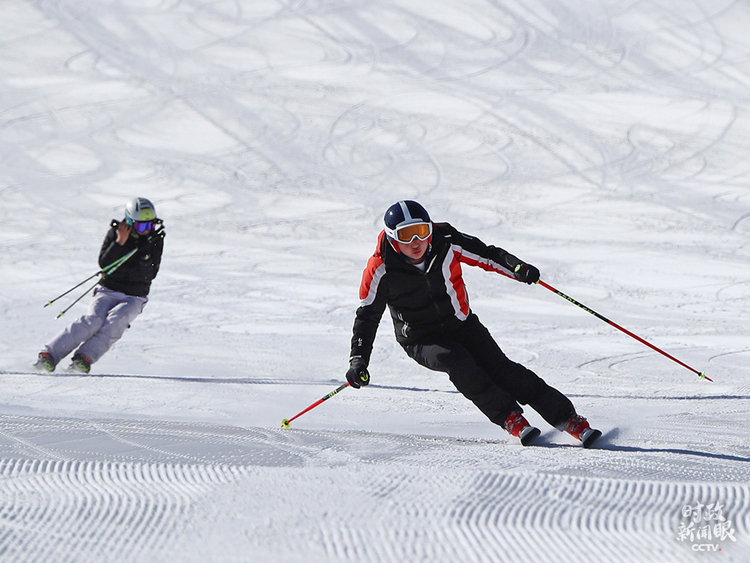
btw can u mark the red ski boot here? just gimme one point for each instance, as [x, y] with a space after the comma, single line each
[578, 427]
[519, 427]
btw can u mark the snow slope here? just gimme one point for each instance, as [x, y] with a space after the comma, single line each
[605, 142]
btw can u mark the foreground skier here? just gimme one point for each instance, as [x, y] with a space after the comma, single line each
[416, 272]
[120, 296]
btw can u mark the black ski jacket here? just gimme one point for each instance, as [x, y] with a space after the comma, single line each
[134, 276]
[422, 302]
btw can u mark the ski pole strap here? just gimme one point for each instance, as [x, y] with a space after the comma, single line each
[700, 374]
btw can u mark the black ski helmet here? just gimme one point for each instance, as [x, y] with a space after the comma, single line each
[402, 214]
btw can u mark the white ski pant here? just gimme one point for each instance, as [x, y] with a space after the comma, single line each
[107, 319]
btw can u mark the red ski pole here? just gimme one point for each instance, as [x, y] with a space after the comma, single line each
[700, 374]
[286, 421]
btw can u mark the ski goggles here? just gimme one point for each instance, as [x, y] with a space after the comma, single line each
[143, 226]
[408, 233]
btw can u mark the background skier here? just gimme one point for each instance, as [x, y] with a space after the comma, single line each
[120, 296]
[416, 272]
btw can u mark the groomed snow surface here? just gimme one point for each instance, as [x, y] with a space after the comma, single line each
[604, 141]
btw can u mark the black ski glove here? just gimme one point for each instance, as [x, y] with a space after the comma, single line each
[357, 376]
[526, 273]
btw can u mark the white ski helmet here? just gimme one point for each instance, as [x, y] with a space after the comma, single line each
[138, 210]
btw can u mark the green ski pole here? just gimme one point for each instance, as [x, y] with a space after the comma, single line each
[106, 270]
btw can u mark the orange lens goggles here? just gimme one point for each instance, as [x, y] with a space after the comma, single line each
[406, 234]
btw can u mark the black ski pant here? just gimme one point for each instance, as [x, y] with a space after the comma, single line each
[483, 374]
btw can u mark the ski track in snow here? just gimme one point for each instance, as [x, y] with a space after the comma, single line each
[605, 140]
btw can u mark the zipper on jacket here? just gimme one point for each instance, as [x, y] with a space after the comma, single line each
[429, 285]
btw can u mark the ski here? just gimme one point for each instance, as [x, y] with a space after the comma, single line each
[528, 435]
[589, 436]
